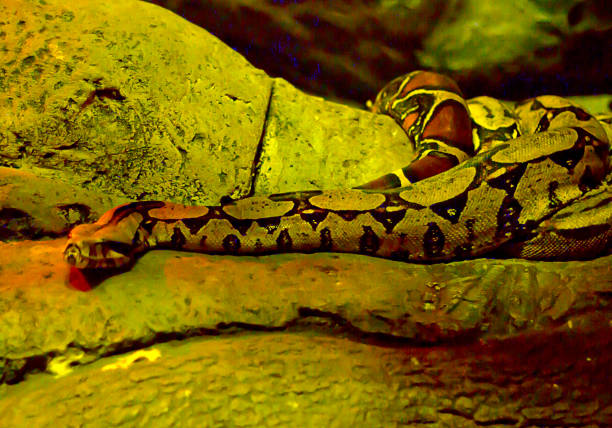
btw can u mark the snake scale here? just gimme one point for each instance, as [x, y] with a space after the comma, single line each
[485, 179]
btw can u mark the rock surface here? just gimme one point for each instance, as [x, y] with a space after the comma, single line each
[130, 111]
[309, 379]
[32, 207]
[97, 108]
[341, 339]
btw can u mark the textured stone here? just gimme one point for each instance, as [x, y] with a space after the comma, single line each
[311, 143]
[32, 207]
[174, 294]
[333, 394]
[131, 107]
[328, 339]
[180, 128]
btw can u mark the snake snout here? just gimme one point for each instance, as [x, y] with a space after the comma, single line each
[72, 255]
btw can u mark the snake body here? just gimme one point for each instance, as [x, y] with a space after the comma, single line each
[492, 180]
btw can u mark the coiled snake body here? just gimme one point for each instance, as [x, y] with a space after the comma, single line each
[477, 184]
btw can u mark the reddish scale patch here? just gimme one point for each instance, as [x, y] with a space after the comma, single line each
[388, 181]
[451, 123]
[171, 211]
[430, 79]
[427, 167]
[409, 120]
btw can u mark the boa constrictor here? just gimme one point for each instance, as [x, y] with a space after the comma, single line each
[478, 183]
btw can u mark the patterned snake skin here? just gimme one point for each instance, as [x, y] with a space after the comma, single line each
[486, 179]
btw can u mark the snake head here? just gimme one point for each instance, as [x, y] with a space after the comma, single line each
[111, 242]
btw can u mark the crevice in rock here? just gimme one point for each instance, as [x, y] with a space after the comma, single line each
[82, 213]
[432, 335]
[455, 412]
[308, 319]
[595, 311]
[14, 223]
[498, 421]
[334, 325]
[18, 225]
[256, 165]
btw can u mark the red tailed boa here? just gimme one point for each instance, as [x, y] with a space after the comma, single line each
[494, 179]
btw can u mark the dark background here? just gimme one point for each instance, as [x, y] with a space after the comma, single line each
[348, 49]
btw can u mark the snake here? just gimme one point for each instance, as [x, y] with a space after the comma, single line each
[487, 179]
